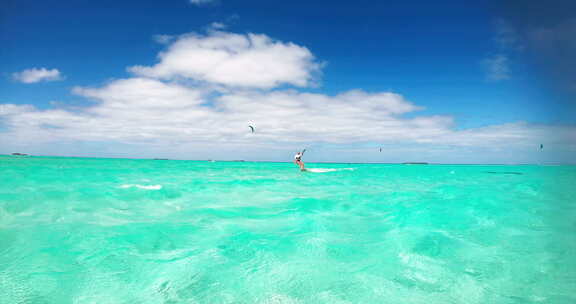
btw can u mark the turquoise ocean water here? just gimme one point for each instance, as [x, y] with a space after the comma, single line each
[76, 230]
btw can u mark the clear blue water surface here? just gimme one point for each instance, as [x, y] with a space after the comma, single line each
[80, 230]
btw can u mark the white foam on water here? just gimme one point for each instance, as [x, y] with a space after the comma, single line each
[280, 299]
[148, 187]
[324, 170]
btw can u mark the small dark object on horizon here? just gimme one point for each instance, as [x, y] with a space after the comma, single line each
[20, 154]
[415, 163]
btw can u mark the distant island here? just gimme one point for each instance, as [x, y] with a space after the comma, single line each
[19, 154]
[415, 163]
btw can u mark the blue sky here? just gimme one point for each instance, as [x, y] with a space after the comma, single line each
[466, 61]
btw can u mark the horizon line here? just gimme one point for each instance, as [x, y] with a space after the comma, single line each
[269, 161]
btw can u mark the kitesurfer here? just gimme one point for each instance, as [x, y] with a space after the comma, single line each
[298, 160]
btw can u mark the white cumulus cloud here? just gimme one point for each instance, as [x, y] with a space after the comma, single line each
[236, 60]
[145, 109]
[157, 113]
[37, 75]
[178, 108]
